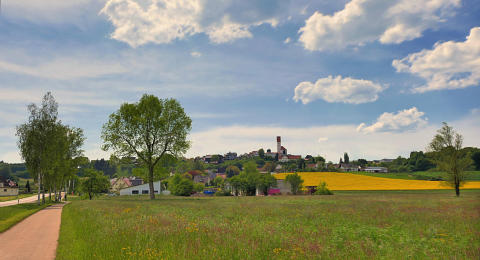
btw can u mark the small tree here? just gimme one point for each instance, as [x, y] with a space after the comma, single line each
[323, 190]
[295, 182]
[447, 146]
[265, 182]
[346, 159]
[27, 186]
[180, 186]
[261, 153]
[94, 183]
[232, 170]
[149, 130]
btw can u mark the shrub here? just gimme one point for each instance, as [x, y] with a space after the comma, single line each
[323, 190]
[223, 193]
[180, 186]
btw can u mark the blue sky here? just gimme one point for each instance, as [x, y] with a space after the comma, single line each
[372, 78]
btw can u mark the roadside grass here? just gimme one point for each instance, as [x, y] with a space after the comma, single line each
[11, 215]
[348, 225]
[20, 196]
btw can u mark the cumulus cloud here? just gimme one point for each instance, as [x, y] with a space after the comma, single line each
[403, 120]
[163, 21]
[341, 138]
[338, 89]
[196, 54]
[287, 40]
[363, 21]
[449, 65]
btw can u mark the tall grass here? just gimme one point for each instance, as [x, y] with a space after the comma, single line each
[362, 225]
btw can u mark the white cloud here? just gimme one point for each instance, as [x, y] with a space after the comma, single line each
[196, 54]
[363, 21]
[338, 89]
[322, 139]
[407, 119]
[163, 21]
[287, 40]
[341, 138]
[449, 65]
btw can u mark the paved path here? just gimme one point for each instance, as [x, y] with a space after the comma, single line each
[35, 237]
[24, 200]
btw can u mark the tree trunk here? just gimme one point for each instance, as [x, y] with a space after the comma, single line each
[457, 189]
[39, 185]
[150, 182]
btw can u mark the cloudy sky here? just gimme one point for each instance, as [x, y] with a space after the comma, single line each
[373, 78]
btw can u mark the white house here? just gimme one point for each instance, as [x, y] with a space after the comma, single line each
[376, 169]
[143, 189]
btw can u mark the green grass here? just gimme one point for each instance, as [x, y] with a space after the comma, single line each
[11, 215]
[348, 225]
[469, 175]
[20, 196]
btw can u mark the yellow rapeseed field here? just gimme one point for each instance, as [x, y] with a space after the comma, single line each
[348, 181]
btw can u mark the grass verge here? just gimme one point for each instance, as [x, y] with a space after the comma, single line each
[20, 196]
[11, 215]
[358, 225]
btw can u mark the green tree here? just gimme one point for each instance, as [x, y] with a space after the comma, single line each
[261, 153]
[295, 182]
[148, 129]
[323, 190]
[27, 186]
[476, 159]
[94, 183]
[232, 170]
[346, 159]
[35, 139]
[447, 146]
[265, 181]
[180, 186]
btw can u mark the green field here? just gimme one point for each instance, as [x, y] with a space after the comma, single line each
[358, 225]
[427, 175]
[11, 215]
[20, 196]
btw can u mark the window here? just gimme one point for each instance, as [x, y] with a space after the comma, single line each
[5, 190]
[156, 191]
[144, 191]
[134, 191]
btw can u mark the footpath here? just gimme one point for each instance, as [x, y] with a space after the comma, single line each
[36, 237]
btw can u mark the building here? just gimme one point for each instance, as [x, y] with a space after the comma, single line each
[8, 188]
[376, 169]
[230, 156]
[143, 189]
[346, 167]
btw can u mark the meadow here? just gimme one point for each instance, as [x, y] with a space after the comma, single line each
[359, 225]
[350, 181]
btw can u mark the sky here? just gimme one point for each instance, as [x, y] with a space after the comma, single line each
[373, 78]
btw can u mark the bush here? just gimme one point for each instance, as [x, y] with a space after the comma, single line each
[323, 190]
[180, 186]
[223, 193]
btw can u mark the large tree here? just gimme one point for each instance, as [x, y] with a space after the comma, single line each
[35, 138]
[295, 181]
[449, 157]
[149, 130]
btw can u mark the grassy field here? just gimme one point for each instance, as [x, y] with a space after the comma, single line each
[358, 225]
[11, 215]
[349, 181]
[20, 196]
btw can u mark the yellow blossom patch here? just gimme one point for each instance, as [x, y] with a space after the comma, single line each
[349, 181]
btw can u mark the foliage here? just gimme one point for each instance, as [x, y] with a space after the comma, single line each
[180, 186]
[323, 190]
[261, 153]
[198, 187]
[149, 130]
[94, 183]
[265, 181]
[232, 170]
[295, 182]
[346, 159]
[447, 145]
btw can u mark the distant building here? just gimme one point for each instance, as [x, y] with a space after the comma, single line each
[230, 156]
[346, 167]
[143, 189]
[376, 169]
[8, 188]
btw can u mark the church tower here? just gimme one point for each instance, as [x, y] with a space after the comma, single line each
[279, 145]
